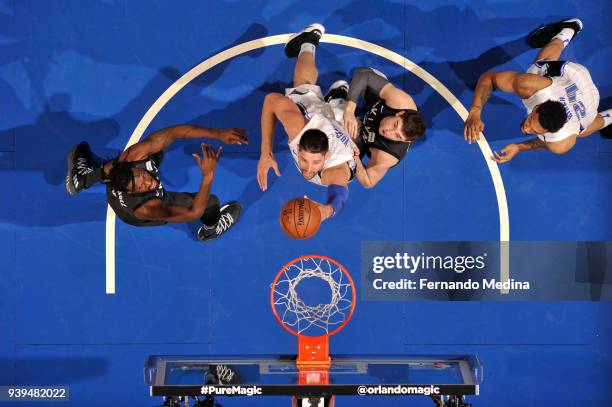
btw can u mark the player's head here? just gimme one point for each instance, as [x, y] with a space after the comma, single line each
[407, 126]
[547, 117]
[312, 152]
[125, 178]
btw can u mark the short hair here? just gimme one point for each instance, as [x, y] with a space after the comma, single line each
[552, 115]
[314, 141]
[121, 175]
[414, 125]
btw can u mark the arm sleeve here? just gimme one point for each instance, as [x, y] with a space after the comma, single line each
[337, 196]
[365, 79]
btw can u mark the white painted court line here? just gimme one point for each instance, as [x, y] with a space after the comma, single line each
[110, 250]
[502, 204]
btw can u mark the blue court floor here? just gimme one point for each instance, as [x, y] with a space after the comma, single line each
[75, 70]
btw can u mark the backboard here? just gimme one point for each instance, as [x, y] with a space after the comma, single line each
[364, 375]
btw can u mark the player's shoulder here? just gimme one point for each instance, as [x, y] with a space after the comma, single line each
[153, 208]
[338, 174]
[562, 146]
[527, 84]
[396, 98]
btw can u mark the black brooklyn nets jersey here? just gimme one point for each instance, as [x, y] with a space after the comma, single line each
[124, 204]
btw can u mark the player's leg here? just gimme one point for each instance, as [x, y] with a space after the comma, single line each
[551, 51]
[83, 169]
[553, 38]
[305, 71]
[602, 123]
[303, 46]
[336, 98]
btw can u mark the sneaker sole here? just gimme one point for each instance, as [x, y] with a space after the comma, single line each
[69, 185]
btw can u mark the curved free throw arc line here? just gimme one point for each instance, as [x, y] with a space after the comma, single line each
[504, 224]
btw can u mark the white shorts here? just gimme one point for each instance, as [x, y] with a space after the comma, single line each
[310, 100]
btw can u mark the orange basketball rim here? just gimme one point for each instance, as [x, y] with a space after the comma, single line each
[312, 323]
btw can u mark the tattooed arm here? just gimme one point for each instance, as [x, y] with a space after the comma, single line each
[511, 150]
[524, 85]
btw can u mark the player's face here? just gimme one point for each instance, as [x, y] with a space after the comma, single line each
[391, 127]
[143, 182]
[310, 163]
[531, 125]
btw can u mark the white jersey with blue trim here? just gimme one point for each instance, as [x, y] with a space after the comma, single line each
[574, 88]
[340, 144]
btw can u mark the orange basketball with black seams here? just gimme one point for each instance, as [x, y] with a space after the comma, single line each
[300, 218]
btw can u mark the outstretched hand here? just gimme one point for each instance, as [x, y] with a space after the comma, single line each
[327, 211]
[505, 154]
[350, 123]
[263, 166]
[473, 127]
[209, 160]
[234, 135]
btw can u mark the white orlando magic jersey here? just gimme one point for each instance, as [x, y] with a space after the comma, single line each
[574, 88]
[340, 144]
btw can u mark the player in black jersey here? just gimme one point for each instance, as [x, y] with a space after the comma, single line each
[134, 189]
[389, 126]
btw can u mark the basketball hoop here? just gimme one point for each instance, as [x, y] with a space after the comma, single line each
[313, 313]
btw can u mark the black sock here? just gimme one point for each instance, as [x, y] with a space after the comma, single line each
[212, 213]
[97, 175]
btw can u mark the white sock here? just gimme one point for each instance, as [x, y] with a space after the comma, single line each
[565, 35]
[607, 117]
[308, 47]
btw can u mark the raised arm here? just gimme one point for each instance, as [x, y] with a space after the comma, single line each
[511, 150]
[372, 81]
[155, 209]
[161, 139]
[377, 167]
[281, 108]
[523, 84]
[336, 179]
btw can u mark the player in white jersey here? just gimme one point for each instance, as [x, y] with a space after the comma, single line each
[560, 96]
[320, 145]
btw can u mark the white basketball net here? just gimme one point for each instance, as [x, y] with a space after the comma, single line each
[313, 320]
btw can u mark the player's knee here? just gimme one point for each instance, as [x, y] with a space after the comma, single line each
[300, 80]
[213, 200]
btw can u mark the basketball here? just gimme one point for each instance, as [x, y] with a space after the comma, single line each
[300, 218]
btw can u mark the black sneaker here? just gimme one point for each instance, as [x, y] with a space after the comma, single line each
[545, 33]
[311, 34]
[80, 163]
[338, 90]
[606, 132]
[230, 212]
